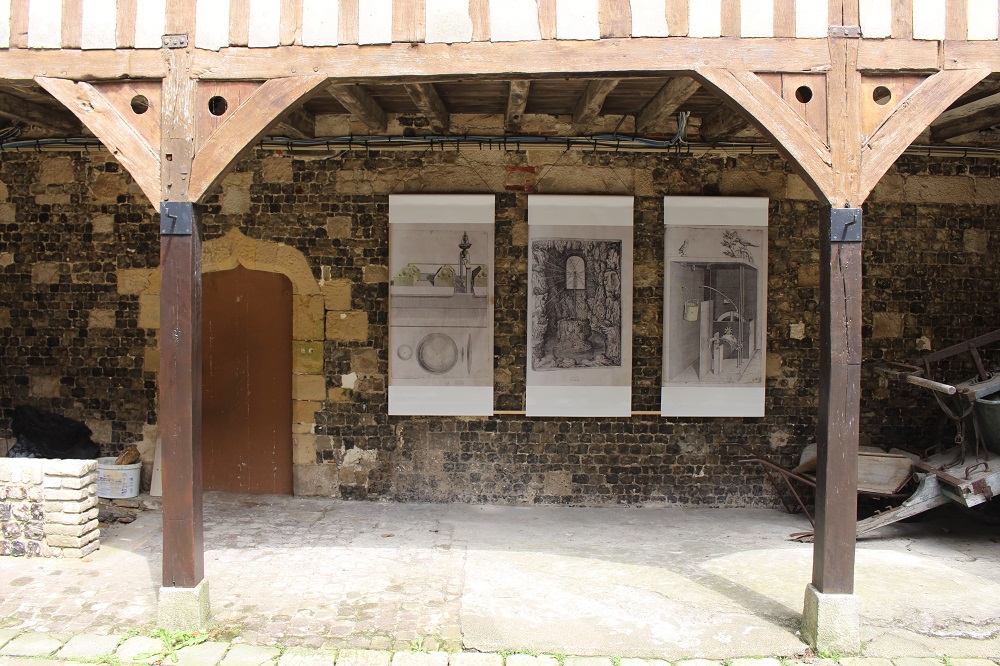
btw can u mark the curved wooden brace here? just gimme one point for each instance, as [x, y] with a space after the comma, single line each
[115, 131]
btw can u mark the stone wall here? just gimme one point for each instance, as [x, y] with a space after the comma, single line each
[48, 508]
[930, 280]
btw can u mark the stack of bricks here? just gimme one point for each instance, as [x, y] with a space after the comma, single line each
[48, 508]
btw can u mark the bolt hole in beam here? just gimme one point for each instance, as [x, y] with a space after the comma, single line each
[217, 105]
[804, 94]
[139, 104]
[881, 95]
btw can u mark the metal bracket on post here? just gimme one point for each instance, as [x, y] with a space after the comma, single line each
[845, 225]
[176, 218]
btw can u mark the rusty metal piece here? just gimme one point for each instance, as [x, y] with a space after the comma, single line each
[980, 487]
[971, 468]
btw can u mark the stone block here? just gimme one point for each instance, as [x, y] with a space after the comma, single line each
[337, 294]
[303, 449]
[298, 656]
[66, 494]
[107, 187]
[987, 193]
[375, 274]
[241, 654]
[422, 659]
[276, 170]
[45, 386]
[809, 276]
[770, 184]
[149, 311]
[587, 661]
[976, 241]
[102, 225]
[307, 357]
[79, 482]
[315, 480]
[209, 652]
[887, 325]
[53, 199]
[755, 661]
[304, 411]
[364, 361]
[183, 608]
[63, 541]
[339, 394]
[475, 659]
[88, 647]
[830, 622]
[351, 326]
[79, 552]
[151, 359]
[8, 213]
[557, 484]
[309, 387]
[4, 312]
[796, 188]
[102, 319]
[133, 647]
[34, 644]
[307, 317]
[889, 189]
[138, 281]
[938, 189]
[56, 171]
[235, 197]
[45, 272]
[339, 227]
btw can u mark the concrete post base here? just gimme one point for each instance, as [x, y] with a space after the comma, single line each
[830, 622]
[183, 608]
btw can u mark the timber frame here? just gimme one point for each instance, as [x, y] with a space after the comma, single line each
[840, 94]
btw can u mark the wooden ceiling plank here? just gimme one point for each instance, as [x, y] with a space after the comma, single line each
[722, 123]
[360, 103]
[30, 113]
[429, 102]
[116, 133]
[517, 100]
[665, 103]
[972, 117]
[592, 100]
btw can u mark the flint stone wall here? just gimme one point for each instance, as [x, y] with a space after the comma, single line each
[79, 249]
[48, 508]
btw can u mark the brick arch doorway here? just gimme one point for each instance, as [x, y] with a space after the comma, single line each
[247, 381]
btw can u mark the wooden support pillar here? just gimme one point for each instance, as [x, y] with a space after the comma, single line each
[180, 393]
[839, 400]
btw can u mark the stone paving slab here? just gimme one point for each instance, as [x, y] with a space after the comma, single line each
[588, 661]
[6, 635]
[34, 645]
[419, 659]
[297, 656]
[644, 662]
[363, 658]
[475, 659]
[242, 654]
[88, 646]
[766, 661]
[531, 660]
[208, 653]
[136, 646]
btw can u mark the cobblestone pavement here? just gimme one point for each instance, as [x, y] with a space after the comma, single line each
[317, 574]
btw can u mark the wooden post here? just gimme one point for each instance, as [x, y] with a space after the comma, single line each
[840, 400]
[180, 393]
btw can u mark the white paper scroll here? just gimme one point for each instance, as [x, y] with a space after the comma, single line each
[579, 306]
[714, 306]
[441, 304]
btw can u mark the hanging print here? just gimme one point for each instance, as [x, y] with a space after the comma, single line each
[715, 306]
[579, 306]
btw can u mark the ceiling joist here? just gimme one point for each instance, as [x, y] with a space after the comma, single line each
[722, 123]
[665, 103]
[429, 102]
[588, 108]
[517, 100]
[361, 104]
[299, 124]
[972, 117]
[29, 113]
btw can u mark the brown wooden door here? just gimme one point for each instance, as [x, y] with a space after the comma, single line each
[247, 395]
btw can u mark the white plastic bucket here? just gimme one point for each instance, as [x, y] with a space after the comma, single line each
[117, 481]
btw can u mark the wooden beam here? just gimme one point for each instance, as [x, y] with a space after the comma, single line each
[914, 114]
[114, 130]
[517, 100]
[299, 124]
[665, 103]
[244, 127]
[589, 106]
[17, 109]
[429, 103]
[790, 134]
[722, 123]
[839, 408]
[360, 103]
[972, 117]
